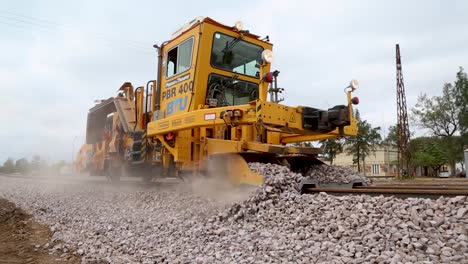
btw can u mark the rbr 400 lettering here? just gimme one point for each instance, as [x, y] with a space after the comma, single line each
[186, 87]
[172, 92]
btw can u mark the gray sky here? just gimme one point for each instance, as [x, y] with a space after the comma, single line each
[57, 57]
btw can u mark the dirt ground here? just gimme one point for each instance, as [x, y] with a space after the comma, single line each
[20, 236]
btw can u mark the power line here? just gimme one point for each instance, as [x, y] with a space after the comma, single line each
[49, 26]
[13, 25]
[143, 44]
[102, 39]
[28, 17]
[21, 20]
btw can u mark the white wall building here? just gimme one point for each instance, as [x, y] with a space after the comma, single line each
[381, 162]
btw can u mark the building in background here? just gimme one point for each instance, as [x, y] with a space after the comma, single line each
[382, 162]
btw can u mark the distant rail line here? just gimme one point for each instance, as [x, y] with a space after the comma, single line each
[403, 191]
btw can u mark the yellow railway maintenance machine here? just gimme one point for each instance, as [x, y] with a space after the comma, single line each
[210, 111]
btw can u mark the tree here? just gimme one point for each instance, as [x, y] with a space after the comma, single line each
[331, 148]
[364, 143]
[392, 137]
[441, 116]
[437, 151]
[9, 166]
[453, 147]
[22, 166]
[461, 101]
[429, 152]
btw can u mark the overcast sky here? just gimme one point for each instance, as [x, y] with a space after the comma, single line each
[57, 57]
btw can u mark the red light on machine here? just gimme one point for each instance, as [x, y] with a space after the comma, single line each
[237, 112]
[268, 77]
[355, 100]
[169, 136]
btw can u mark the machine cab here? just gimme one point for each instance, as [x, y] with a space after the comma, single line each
[207, 64]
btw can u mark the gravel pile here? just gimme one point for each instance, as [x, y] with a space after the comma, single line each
[118, 224]
[278, 180]
[336, 174]
[274, 224]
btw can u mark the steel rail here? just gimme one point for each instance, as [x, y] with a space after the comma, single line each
[413, 187]
[387, 192]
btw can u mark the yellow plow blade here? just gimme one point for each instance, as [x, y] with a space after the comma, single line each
[234, 168]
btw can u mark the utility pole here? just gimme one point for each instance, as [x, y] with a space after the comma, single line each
[404, 155]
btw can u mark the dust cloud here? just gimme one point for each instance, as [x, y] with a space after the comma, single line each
[217, 187]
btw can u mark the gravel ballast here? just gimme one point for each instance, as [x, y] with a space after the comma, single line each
[274, 223]
[335, 174]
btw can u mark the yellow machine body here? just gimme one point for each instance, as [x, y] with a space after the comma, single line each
[192, 131]
[209, 111]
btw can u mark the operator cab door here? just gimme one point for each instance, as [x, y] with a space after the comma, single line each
[178, 73]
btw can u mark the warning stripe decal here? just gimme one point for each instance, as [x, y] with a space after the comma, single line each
[259, 110]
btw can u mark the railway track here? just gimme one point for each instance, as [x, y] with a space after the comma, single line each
[403, 191]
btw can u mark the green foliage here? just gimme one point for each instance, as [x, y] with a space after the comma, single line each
[392, 137]
[436, 151]
[453, 148]
[364, 143]
[428, 152]
[439, 114]
[445, 116]
[331, 148]
[22, 166]
[461, 101]
[8, 166]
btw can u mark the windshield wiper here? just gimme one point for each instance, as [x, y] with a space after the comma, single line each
[230, 45]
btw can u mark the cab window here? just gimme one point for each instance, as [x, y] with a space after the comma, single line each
[227, 91]
[179, 58]
[235, 55]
